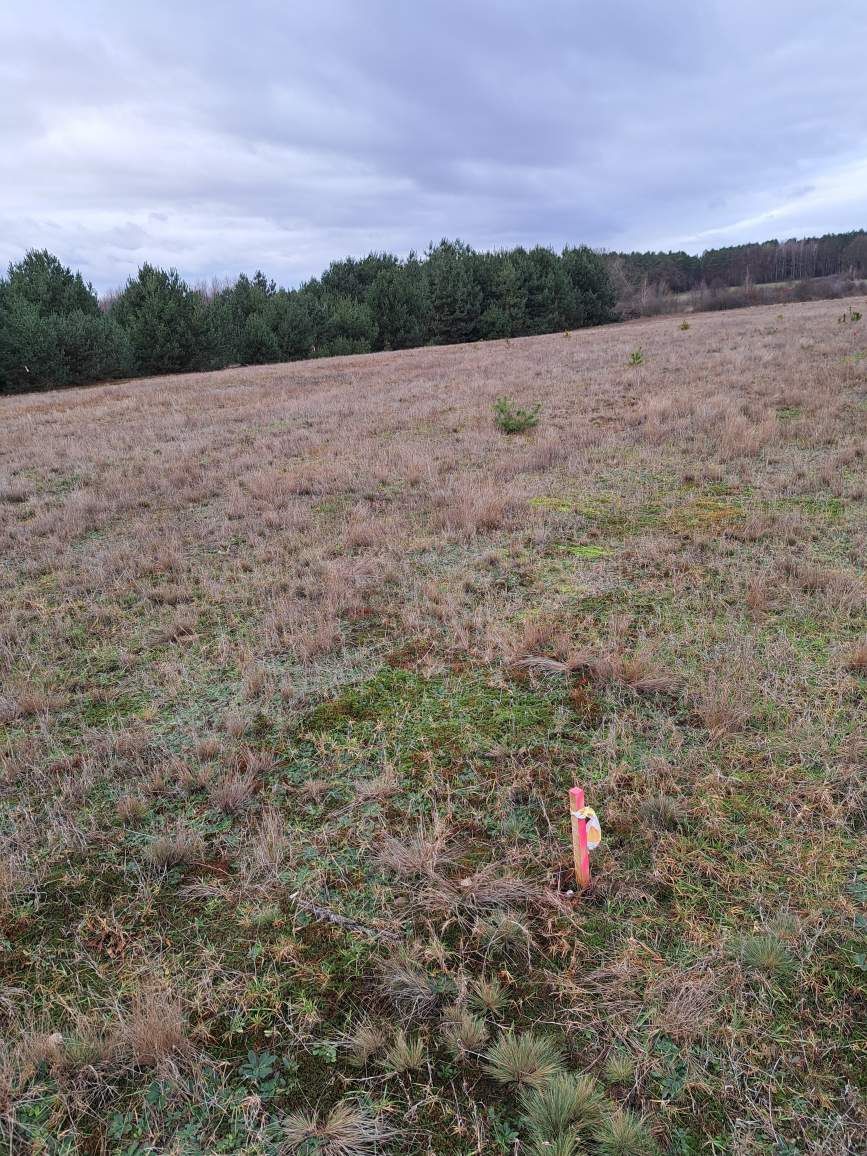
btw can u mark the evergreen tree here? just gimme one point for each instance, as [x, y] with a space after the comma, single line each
[221, 333]
[89, 348]
[494, 323]
[510, 296]
[41, 279]
[259, 343]
[348, 328]
[398, 299]
[28, 351]
[51, 330]
[455, 294]
[551, 301]
[295, 317]
[591, 284]
[165, 321]
[354, 277]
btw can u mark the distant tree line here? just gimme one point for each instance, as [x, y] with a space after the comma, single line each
[760, 263]
[54, 331]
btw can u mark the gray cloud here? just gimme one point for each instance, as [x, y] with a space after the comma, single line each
[223, 136]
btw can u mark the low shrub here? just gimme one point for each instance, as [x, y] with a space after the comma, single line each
[512, 419]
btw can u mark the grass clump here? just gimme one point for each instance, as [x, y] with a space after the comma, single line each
[177, 848]
[406, 1054]
[636, 357]
[619, 1067]
[347, 1130]
[624, 1134]
[564, 1145]
[526, 1059]
[410, 990]
[504, 934]
[462, 1032]
[364, 1042]
[153, 1032]
[512, 419]
[488, 996]
[856, 661]
[767, 955]
[662, 812]
[566, 1103]
[419, 854]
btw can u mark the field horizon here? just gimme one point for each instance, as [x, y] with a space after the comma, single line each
[297, 666]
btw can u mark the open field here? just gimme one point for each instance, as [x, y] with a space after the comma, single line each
[283, 825]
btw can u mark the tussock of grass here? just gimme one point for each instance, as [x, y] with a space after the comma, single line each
[663, 812]
[153, 1032]
[559, 1146]
[232, 794]
[421, 853]
[365, 1042]
[856, 660]
[619, 1067]
[176, 848]
[565, 1103]
[462, 1032]
[768, 955]
[526, 1059]
[409, 989]
[346, 1130]
[486, 890]
[636, 672]
[488, 995]
[624, 1134]
[405, 1054]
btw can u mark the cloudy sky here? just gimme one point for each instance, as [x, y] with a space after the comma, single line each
[220, 135]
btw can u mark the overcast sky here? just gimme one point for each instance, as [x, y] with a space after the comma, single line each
[225, 136]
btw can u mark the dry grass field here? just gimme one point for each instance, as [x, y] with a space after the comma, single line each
[284, 841]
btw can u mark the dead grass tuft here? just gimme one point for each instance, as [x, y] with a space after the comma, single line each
[407, 987]
[233, 792]
[365, 1042]
[724, 706]
[485, 890]
[423, 853]
[153, 1032]
[26, 703]
[856, 660]
[176, 848]
[347, 1130]
[130, 808]
[636, 672]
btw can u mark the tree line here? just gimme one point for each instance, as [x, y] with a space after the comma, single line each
[54, 331]
[758, 263]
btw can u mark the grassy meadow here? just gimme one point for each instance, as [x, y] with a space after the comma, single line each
[284, 836]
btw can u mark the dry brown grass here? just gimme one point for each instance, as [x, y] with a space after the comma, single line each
[233, 792]
[407, 474]
[177, 847]
[346, 1130]
[153, 1032]
[856, 660]
[421, 853]
[263, 739]
[637, 672]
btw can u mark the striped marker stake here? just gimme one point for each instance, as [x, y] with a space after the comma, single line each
[579, 837]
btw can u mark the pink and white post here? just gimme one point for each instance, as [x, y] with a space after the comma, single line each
[579, 838]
